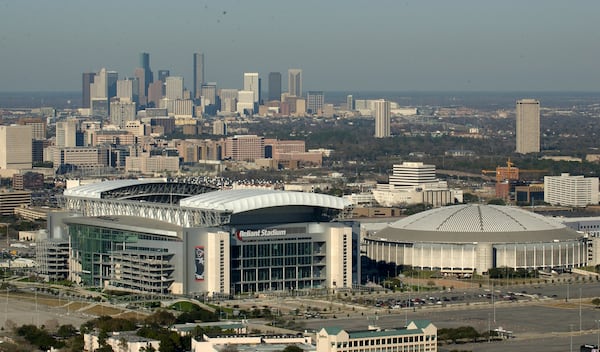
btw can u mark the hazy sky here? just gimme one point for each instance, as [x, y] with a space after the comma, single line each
[345, 45]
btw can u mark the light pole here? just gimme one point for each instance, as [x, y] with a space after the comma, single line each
[598, 332]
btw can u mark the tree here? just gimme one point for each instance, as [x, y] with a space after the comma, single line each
[65, 331]
[292, 348]
[161, 318]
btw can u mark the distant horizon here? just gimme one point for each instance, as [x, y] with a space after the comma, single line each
[406, 46]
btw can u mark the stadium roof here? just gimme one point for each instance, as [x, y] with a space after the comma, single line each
[477, 222]
[95, 190]
[243, 200]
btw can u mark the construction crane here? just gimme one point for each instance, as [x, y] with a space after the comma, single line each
[507, 173]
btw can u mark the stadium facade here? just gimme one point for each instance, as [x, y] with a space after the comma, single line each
[464, 239]
[191, 239]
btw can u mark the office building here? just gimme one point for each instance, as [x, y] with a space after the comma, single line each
[163, 74]
[174, 87]
[315, 102]
[417, 335]
[228, 100]
[38, 127]
[66, 133]
[86, 80]
[15, 147]
[245, 147]
[528, 126]
[122, 111]
[147, 72]
[219, 128]
[156, 91]
[415, 183]
[274, 86]
[28, 181]
[350, 103]
[295, 82]
[382, 118]
[198, 74]
[245, 102]
[252, 84]
[571, 191]
[208, 93]
[140, 76]
[125, 90]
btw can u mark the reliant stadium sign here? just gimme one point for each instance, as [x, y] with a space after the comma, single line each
[241, 234]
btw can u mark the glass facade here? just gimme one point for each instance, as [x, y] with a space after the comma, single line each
[290, 263]
[97, 251]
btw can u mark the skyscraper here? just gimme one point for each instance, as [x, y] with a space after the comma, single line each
[148, 77]
[295, 82]
[350, 103]
[198, 74]
[528, 126]
[382, 118]
[274, 86]
[163, 74]
[251, 83]
[86, 79]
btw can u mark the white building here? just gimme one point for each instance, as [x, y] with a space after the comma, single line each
[245, 101]
[419, 335]
[216, 343]
[66, 133]
[295, 82]
[252, 83]
[122, 111]
[573, 191]
[415, 183]
[124, 341]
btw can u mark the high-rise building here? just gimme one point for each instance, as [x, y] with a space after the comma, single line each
[121, 112]
[274, 86]
[125, 90]
[228, 100]
[86, 79]
[251, 83]
[412, 174]
[245, 102]
[145, 65]
[66, 133]
[38, 127]
[198, 74]
[382, 118]
[528, 126]
[314, 102]
[15, 147]
[295, 82]
[571, 191]
[140, 76]
[245, 147]
[163, 74]
[174, 87]
[350, 103]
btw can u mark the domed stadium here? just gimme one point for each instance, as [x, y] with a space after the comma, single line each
[471, 238]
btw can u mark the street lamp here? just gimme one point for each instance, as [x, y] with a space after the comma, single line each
[598, 332]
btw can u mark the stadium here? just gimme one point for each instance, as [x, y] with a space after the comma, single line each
[473, 238]
[192, 239]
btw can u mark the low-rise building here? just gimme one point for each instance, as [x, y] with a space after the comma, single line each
[418, 335]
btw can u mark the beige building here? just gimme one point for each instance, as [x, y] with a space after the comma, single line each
[151, 164]
[15, 147]
[381, 109]
[9, 200]
[81, 157]
[245, 147]
[528, 126]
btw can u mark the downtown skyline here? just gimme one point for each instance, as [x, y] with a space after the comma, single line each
[387, 46]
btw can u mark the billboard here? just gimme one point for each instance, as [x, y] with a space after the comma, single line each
[199, 263]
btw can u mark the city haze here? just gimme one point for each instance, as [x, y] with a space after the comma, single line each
[351, 45]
